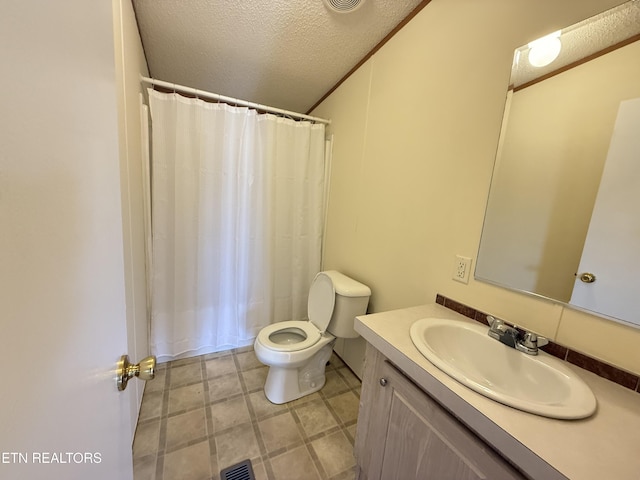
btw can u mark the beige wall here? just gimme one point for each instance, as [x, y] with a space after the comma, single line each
[415, 132]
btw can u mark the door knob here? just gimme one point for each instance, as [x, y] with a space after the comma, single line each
[588, 277]
[145, 370]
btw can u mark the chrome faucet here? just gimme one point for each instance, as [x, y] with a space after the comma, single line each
[510, 336]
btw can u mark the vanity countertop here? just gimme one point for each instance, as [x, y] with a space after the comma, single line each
[605, 445]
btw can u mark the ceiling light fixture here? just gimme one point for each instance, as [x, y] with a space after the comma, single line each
[545, 50]
[343, 6]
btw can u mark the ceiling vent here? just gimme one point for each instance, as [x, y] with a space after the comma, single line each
[343, 6]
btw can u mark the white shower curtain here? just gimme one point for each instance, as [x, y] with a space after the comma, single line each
[237, 217]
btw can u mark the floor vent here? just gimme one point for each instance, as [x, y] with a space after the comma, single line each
[239, 471]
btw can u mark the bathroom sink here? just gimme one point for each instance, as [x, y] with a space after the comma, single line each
[539, 384]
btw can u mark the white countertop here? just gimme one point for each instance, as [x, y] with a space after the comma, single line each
[603, 446]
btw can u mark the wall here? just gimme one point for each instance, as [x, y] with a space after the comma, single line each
[415, 133]
[130, 64]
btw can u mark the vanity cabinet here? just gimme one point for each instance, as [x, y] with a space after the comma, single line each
[403, 434]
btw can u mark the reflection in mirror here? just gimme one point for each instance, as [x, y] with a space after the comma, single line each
[565, 193]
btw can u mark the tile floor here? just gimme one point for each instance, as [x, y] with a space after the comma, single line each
[203, 414]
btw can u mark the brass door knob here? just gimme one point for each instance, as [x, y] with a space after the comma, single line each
[587, 277]
[145, 370]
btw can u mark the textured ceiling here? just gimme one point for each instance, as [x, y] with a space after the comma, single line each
[285, 54]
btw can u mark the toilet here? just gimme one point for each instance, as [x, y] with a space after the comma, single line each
[297, 351]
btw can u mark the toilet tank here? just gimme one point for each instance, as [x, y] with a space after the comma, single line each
[352, 298]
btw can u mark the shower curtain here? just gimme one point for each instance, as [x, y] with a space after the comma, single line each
[237, 216]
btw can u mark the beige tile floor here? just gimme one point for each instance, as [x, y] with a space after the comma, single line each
[203, 414]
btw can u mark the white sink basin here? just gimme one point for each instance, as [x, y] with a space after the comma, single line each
[539, 384]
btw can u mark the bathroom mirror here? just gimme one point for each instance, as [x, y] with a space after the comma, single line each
[563, 214]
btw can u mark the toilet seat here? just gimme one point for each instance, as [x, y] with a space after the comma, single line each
[322, 297]
[306, 328]
[297, 351]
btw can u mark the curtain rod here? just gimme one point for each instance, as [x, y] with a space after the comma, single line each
[235, 101]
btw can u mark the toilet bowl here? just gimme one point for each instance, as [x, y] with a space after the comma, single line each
[297, 351]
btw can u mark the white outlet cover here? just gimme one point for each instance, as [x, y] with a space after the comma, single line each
[461, 269]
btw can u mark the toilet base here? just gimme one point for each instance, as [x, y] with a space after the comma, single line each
[287, 384]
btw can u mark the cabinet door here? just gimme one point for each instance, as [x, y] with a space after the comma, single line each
[423, 441]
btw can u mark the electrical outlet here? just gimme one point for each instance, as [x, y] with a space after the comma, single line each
[461, 269]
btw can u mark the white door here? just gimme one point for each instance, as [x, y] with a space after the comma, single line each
[62, 298]
[611, 250]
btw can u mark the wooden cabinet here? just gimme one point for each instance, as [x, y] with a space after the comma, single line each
[403, 434]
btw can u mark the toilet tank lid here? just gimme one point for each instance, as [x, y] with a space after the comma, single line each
[347, 287]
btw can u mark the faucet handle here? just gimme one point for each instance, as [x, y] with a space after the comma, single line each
[532, 340]
[502, 332]
[494, 322]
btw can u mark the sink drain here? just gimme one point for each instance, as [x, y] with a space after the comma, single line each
[239, 471]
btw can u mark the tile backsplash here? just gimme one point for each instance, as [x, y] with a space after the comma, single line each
[594, 365]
